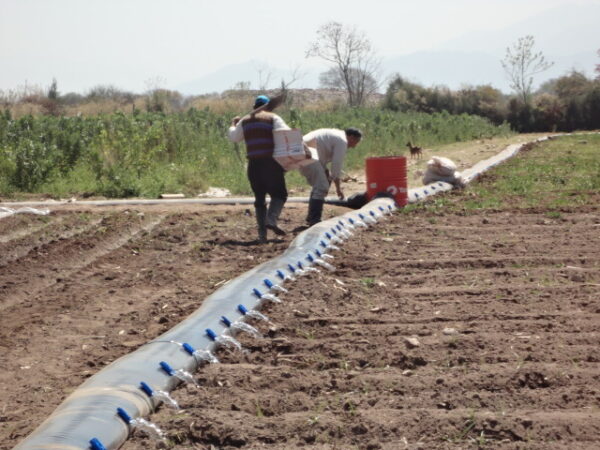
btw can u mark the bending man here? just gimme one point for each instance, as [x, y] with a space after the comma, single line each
[265, 174]
[331, 145]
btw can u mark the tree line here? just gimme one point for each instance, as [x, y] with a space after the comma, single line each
[566, 103]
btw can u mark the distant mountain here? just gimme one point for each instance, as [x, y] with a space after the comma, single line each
[566, 35]
[449, 68]
[563, 30]
[249, 72]
[224, 78]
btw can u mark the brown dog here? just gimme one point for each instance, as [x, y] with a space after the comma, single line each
[414, 151]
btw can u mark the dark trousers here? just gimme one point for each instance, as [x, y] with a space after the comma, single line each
[266, 176]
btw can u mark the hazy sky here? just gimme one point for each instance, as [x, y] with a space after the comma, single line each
[135, 43]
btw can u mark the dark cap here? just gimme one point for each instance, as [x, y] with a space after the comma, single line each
[355, 132]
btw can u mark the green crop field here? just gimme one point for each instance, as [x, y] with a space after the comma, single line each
[145, 154]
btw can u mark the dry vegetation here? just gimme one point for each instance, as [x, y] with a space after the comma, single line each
[106, 100]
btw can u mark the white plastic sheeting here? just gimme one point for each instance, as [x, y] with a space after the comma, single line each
[5, 212]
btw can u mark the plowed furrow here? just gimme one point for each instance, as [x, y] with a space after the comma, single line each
[18, 281]
[20, 232]
[46, 235]
[587, 259]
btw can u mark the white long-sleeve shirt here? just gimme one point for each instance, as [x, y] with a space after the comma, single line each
[331, 145]
[236, 134]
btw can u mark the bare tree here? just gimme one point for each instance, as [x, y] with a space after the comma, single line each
[598, 68]
[241, 86]
[355, 63]
[331, 79]
[295, 74]
[521, 64]
[53, 93]
[264, 73]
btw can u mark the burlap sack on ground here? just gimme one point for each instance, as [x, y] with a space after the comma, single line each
[442, 169]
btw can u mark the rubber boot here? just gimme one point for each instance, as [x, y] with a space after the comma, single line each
[315, 210]
[273, 213]
[261, 222]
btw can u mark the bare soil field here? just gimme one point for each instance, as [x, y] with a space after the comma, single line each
[435, 331]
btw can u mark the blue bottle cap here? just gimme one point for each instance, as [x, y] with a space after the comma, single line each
[381, 209]
[310, 258]
[242, 309]
[390, 207]
[339, 227]
[95, 444]
[351, 220]
[257, 293]
[341, 223]
[328, 235]
[124, 416]
[333, 231]
[280, 274]
[268, 283]
[167, 368]
[292, 269]
[226, 321]
[427, 192]
[361, 215]
[323, 244]
[300, 266]
[372, 213]
[317, 252]
[211, 334]
[188, 348]
[147, 389]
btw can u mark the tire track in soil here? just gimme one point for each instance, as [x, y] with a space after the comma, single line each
[52, 262]
[18, 232]
[338, 371]
[32, 238]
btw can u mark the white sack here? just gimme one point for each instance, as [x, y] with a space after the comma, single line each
[443, 169]
[442, 166]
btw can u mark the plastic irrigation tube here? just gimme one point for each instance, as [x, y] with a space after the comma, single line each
[147, 201]
[88, 417]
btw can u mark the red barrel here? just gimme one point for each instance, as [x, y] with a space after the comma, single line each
[387, 174]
